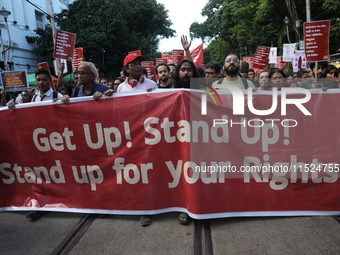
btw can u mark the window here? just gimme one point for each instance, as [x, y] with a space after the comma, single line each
[39, 19]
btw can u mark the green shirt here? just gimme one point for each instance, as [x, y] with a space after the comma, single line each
[238, 83]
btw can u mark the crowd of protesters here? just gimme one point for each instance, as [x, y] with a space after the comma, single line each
[134, 78]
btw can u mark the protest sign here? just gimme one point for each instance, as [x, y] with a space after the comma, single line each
[272, 55]
[299, 61]
[168, 57]
[161, 60]
[316, 39]
[14, 80]
[280, 63]
[250, 61]
[178, 56]
[64, 45]
[261, 57]
[288, 52]
[78, 57]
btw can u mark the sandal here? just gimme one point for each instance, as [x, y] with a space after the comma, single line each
[145, 221]
[183, 218]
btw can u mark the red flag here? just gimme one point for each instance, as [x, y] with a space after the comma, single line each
[197, 55]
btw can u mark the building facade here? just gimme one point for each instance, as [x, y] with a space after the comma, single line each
[25, 17]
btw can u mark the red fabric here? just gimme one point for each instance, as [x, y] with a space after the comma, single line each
[197, 55]
[137, 152]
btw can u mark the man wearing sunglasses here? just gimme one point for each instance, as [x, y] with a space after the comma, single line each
[231, 67]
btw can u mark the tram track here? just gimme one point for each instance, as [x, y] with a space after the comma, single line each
[202, 236]
[69, 241]
[202, 226]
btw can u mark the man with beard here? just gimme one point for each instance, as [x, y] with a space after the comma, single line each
[185, 70]
[320, 82]
[162, 72]
[231, 67]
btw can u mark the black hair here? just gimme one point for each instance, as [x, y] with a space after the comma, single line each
[43, 71]
[276, 70]
[215, 66]
[176, 74]
[336, 73]
[200, 70]
[301, 73]
[162, 64]
[323, 64]
[63, 88]
[330, 68]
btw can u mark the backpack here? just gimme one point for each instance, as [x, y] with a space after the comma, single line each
[75, 91]
[245, 83]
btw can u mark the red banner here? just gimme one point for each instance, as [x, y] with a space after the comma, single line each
[197, 55]
[316, 39]
[160, 152]
[78, 57]
[64, 45]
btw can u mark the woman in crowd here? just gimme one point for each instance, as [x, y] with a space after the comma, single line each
[277, 79]
[116, 83]
[264, 80]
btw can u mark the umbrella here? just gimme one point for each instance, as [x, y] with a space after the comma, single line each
[68, 77]
[31, 79]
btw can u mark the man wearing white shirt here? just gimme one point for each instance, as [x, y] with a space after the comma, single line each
[43, 80]
[135, 79]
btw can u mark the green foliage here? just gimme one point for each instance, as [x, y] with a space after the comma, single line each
[108, 29]
[251, 23]
[43, 42]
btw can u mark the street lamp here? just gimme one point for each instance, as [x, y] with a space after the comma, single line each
[286, 21]
[4, 13]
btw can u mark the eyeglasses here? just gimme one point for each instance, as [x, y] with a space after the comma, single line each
[210, 73]
[116, 84]
[235, 61]
[173, 70]
[83, 73]
[135, 64]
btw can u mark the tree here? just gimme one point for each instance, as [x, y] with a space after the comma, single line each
[250, 23]
[43, 42]
[109, 29]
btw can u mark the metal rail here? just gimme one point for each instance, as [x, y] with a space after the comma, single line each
[67, 244]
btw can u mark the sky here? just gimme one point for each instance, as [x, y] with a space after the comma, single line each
[182, 14]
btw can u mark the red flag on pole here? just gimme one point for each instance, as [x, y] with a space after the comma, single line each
[197, 55]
